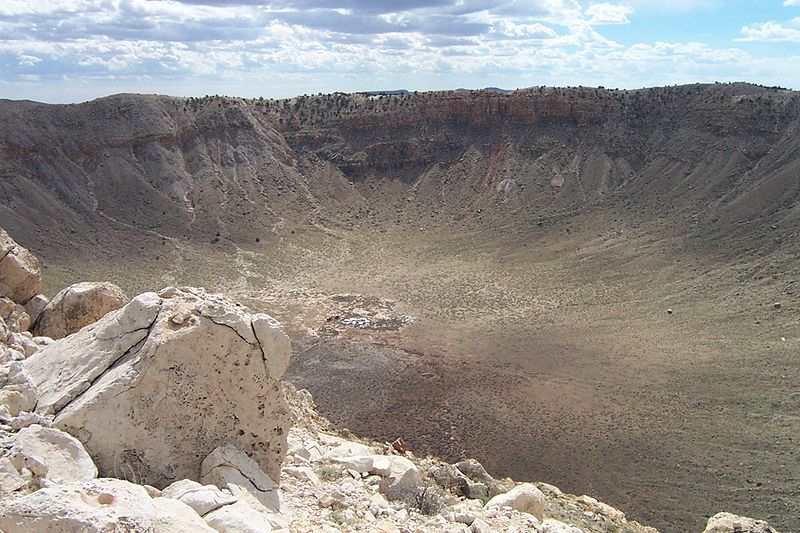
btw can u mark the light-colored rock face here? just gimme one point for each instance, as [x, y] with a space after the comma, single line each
[20, 277]
[17, 391]
[76, 307]
[153, 388]
[202, 498]
[99, 505]
[227, 467]
[731, 523]
[525, 498]
[238, 518]
[60, 456]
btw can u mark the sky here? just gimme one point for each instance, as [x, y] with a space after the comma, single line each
[76, 50]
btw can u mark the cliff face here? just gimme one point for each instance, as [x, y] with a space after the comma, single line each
[196, 167]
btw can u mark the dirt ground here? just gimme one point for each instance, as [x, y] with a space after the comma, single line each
[559, 360]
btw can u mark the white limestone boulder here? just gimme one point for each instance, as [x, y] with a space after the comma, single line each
[96, 506]
[202, 498]
[20, 277]
[731, 523]
[151, 389]
[400, 476]
[238, 518]
[61, 456]
[525, 498]
[76, 307]
[227, 467]
[17, 390]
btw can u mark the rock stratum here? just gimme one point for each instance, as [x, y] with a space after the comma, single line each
[81, 175]
[169, 415]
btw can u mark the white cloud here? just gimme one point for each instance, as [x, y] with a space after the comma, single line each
[791, 2]
[772, 31]
[27, 61]
[608, 14]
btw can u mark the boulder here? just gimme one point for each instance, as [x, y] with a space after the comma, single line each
[62, 456]
[96, 506]
[20, 277]
[35, 306]
[174, 516]
[76, 307]
[17, 391]
[227, 467]
[400, 477]
[238, 518]
[475, 471]
[525, 498]
[202, 498]
[24, 343]
[14, 315]
[154, 387]
[730, 523]
[345, 448]
[479, 526]
[303, 473]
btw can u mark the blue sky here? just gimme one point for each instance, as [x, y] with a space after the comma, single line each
[75, 50]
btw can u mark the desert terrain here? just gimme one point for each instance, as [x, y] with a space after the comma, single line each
[597, 289]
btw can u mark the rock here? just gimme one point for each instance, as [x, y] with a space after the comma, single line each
[329, 500]
[359, 463]
[401, 478]
[27, 418]
[63, 456]
[525, 498]
[35, 306]
[95, 506]
[24, 344]
[478, 474]
[450, 478]
[175, 516]
[5, 332]
[8, 354]
[12, 479]
[20, 277]
[14, 315]
[227, 467]
[78, 306]
[303, 451]
[346, 448]
[150, 398]
[601, 508]
[238, 518]
[377, 502]
[202, 498]
[43, 341]
[303, 473]
[479, 526]
[385, 526]
[17, 391]
[554, 526]
[730, 523]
